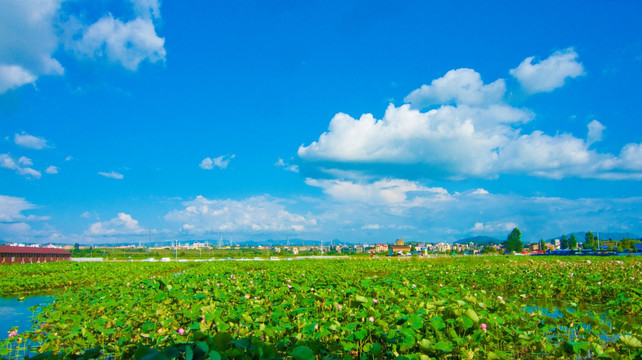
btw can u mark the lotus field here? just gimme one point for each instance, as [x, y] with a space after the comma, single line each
[382, 308]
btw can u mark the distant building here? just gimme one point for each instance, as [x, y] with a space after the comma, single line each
[380, 248]
[27, 255]
[398, 247]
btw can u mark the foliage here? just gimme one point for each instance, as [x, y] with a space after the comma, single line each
[460, 308]
[564, 242]
[589, 241]
[572, 242]
[514, 241]
[489, 250]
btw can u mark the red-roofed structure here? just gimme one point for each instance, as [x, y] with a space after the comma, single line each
[29, 255]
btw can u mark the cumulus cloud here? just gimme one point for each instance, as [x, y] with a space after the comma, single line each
[461, 141]
[51, 170]
[28, 42]
[123, 224]
[128, 43]
[462, 86]
[631, 157]
[29, 141]
[22, 166]
[258, 214]
[549, 74]
[32, 32]
[111, 175]
[220, 162]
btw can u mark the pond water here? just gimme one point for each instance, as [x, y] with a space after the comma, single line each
[16, 313]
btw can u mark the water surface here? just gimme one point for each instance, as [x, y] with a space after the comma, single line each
[16, 313]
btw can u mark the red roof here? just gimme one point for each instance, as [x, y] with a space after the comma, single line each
[32, 250]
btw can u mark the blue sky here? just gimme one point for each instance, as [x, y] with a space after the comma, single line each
[362, 121]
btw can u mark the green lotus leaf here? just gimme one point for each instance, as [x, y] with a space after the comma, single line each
[302, 353]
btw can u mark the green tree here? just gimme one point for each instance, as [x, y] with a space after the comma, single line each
[572, 242]
[589, 240]
[542, 245]
[514, 241]
[489, 250]
[564, 242]
[76, 247]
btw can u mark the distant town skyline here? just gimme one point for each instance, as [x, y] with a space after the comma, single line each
[362, 122]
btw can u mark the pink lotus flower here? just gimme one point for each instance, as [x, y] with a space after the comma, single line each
[339, 307]
[375, 301]
[483, 327]
[181, 331]
[371, 319]
[13, 333]
[247, 296]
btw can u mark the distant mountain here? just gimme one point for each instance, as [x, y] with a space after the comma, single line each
[479, 240]
[615, 236]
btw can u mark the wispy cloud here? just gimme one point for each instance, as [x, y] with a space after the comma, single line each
[21, 166]
[29, 141]
[111, 175]
[220, 162]
[258, 214]
[287, 167]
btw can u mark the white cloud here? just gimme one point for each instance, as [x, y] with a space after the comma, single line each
[128, 43]
[25, 161]
[11, 209]
[220, 162]
[30, 141]
[595, 129]
[548, 74]
[13, 76]
[480, 191]
[288, 167]
[463, 86]
[463, 141]
[631, 157]
[387, 192]
[111, 175]
[28, 42]
[206, 164]
[258, 214]
[21, 167]
[51, 170]
[123, 224]
[371, 227]
[494, 228]
[32, 31]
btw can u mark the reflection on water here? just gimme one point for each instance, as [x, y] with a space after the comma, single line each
[16, 313]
